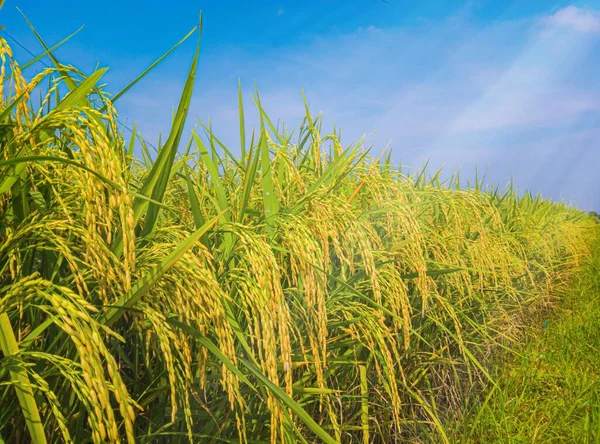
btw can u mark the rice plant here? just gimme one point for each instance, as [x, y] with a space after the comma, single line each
[549, 390]
[302, 291]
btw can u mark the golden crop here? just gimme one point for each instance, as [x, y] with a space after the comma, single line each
[297, 291]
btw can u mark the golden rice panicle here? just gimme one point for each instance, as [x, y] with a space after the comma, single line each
[43, 231]
[104, 205]
[304, 258]
[257, 280]
[18, 86]
[371, 333]
[5, 52]
[166, 350]
[190, 291]
[72, 316]
[43, 386]
[395, 293]
[399, 227]
[288, 180]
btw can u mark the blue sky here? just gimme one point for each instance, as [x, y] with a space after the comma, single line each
[512, 86]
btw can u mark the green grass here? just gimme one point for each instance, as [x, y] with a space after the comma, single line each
[550, 390]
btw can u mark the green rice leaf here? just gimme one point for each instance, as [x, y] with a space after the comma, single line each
[213, 349]
[242, 125]
[20, 380]
[159, 177]
[153, 65]
[49, 50]
[290, 403]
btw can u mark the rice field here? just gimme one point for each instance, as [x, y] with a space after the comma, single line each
[298, 291]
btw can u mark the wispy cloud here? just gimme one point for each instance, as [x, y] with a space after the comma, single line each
[280, 12]
[505, 97]
[578, 19]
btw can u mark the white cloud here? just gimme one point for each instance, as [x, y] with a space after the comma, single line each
[578, 19]
[505, 96]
